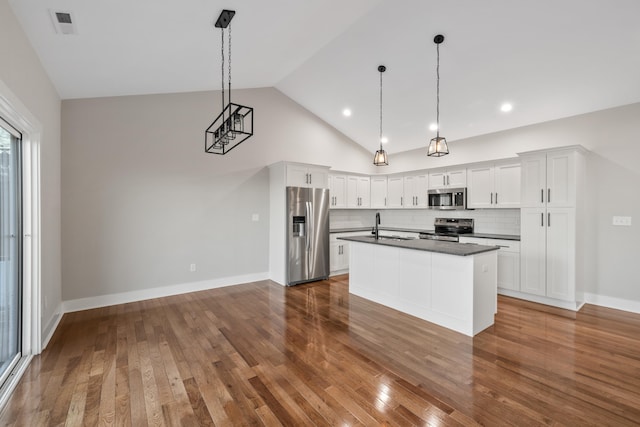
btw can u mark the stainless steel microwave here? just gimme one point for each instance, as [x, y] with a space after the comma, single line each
[448, 198]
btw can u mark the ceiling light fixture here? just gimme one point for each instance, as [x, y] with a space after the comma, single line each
[438, 145]
[346, 112]
[506, 107]
[380, 158]
[235, 123]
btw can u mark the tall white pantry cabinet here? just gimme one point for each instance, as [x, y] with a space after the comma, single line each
[552, 262]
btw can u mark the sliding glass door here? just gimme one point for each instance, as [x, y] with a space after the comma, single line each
[10, 249]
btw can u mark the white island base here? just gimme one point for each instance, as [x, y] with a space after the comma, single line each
[457, 292]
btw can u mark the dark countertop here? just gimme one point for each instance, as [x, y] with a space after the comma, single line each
[493, 236]
[413, 230]
[354, 229]
[439, 246]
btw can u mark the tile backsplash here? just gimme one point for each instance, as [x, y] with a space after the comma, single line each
[493, 221]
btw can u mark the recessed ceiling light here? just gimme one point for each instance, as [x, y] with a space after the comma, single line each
[433, 126]
[384, 139]
[346, 112]
[506, 107]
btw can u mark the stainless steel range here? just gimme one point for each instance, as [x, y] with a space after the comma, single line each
[449, 229]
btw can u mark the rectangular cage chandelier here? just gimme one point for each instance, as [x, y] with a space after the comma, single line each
[235, 123]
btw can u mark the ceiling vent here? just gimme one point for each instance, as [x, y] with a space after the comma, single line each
[63, 22]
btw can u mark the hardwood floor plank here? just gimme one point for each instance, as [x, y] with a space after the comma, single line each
[263, 354]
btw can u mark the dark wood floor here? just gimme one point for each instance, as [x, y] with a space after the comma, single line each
[313, 354]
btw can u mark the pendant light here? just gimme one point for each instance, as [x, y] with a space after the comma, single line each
[235, 123]
[438, 145]
[380, 158]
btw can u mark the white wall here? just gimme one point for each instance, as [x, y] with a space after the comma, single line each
[613, 167]
[22, 73]
[142, 200]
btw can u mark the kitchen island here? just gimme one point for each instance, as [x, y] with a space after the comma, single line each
[451, 284]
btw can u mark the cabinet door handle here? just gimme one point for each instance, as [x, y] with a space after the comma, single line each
[448, 181]
[541, 219]
[491, 198]
[401, 201]
[443, 180]
[548, 195]
[542, 195]
[548, 219]
[385, 201]
[496, 198]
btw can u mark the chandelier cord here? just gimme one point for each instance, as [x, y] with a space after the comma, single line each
[380, 110]
[222, 69]
[438, 92]
[229, 56]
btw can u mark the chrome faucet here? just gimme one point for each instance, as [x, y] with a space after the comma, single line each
[377, 224]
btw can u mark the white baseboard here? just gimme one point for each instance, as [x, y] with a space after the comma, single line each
[612, 302]
[567, 305]
[51, 327]
[162, 291]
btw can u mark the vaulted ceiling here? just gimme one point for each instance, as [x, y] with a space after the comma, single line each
[549, 59]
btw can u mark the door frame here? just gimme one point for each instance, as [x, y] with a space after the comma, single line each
[15, 113]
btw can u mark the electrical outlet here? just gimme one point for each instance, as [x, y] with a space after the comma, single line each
[192, 268]
[622, 220]
[255, 217]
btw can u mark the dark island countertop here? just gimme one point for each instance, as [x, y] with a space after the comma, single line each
[493, 236]
[439, 246]
[413, 230]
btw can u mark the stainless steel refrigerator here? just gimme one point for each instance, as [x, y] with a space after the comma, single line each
[307, 234]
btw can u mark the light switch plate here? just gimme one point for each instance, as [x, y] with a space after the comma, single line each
[622, 220]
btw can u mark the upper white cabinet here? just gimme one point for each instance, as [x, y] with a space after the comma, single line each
[453, 178]
[358, 191]
[299, 175]
[549, 179]
[338, 191]
[378, 192]
[415, 191]
[395, 191]
[494, 186]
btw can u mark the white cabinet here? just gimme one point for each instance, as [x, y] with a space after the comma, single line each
[552, 259]
[415, 191]
[299, 175]
[339, 257]
[358, 191]
[378, 192]
[549, 179]
[339, 252]
[549, 252]
[454, 178]
[338, 191]
[508, 260]
[395, 191]
[494, 186]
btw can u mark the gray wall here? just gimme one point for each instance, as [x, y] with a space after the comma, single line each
[142, 201]
[22, 73]
[613, 182]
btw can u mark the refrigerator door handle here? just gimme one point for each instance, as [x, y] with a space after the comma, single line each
[310, 224]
